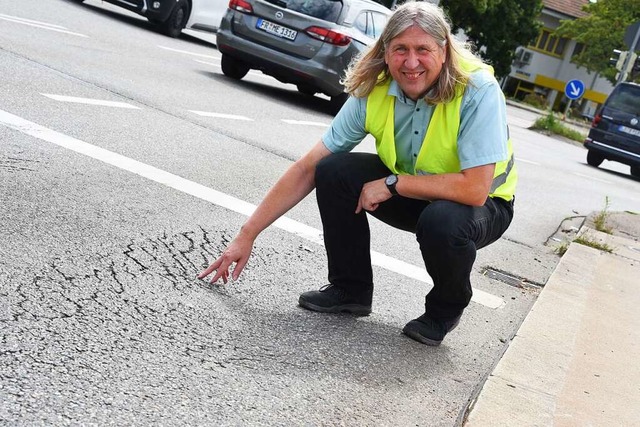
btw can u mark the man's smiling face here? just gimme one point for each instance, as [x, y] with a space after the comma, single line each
[415, 61]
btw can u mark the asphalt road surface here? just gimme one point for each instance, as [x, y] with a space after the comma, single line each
[128, 161]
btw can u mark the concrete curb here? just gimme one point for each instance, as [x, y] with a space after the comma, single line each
[574, 359]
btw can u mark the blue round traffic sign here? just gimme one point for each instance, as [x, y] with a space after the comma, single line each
[574, 89]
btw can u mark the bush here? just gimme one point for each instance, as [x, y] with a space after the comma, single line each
[535, 100]
[550, 124]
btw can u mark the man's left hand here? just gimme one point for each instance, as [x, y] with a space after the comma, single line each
[373, 193]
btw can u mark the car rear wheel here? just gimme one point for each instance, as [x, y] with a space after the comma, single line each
[173, 26]
[635, 171]
[233, 68]
[337, 102]
[594, 159]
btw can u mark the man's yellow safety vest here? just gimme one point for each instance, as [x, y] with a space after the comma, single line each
[438, 153]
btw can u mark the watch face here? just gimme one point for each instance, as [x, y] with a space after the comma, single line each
[391, 179]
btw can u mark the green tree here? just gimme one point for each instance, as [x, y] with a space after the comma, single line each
[601, 32]
[496, 27]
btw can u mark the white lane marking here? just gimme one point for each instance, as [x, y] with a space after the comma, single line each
[43, 25]
[186, 52]
[518, 159]
[89, 101]
[216, 197]
[2, 15]
[591, 177]
[305, 123]
[252, 73]
[220, 115]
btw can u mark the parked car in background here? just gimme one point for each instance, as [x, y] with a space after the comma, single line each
[615, 130]
[306, 43]
[172, 16]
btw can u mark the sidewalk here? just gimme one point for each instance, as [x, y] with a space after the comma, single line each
[580, 126]
[574, 360]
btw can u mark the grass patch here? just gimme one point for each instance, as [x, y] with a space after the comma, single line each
[585, 240]
[592, 243]
[600, 224]
[561, 249]
[551, 124]
[600, 220]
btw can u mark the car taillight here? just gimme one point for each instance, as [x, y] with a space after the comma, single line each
[329, 36]
[240, 6]
[596, 120]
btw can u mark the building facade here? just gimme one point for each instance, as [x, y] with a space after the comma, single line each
[544, 67]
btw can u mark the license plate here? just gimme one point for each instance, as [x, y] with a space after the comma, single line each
[630, 131]
[276, 30]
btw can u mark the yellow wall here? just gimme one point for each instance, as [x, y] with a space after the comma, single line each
[559, 85]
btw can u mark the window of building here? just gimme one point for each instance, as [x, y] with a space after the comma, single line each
[549, 43]
[577, 49]
[559, 49]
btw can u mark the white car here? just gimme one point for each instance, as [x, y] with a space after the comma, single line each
[171, 16]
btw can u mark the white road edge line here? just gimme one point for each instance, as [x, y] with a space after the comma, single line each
[221, 115]
[304, 123]
[46, 27]
[216, 197]
[89, 101]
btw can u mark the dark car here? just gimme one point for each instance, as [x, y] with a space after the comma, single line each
[306, 43]
[615, 130]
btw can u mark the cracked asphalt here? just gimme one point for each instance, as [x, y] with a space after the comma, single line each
[102, 319]
[109, 338]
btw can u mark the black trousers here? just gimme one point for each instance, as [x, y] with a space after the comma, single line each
[448, 233]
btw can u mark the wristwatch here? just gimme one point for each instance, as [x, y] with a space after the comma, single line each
[391, 182]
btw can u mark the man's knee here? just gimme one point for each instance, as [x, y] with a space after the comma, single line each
[348, 171]
[442, 221]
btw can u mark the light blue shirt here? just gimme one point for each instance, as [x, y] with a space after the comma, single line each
[482, 137]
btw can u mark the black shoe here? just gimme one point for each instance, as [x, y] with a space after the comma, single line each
[430, 331]
[335, 299]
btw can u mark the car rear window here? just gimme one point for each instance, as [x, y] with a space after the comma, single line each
[371, 23]
[626, 98]
[327, 10]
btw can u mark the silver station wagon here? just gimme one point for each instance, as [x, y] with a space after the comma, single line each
[303, 42]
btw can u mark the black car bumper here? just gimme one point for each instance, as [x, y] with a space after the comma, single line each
[154, 10]
[613, 153]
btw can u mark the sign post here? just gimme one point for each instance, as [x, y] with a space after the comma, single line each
[574, 89]
[632, 40]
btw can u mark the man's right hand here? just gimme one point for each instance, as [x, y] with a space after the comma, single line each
[238, 252]
[297, 182]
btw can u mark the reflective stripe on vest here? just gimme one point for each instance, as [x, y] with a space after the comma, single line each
[439, 151]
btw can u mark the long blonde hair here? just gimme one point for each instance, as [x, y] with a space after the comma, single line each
[370, 69]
